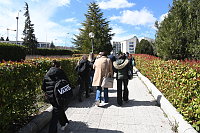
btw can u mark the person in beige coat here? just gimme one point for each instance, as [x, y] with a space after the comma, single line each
[102, 67]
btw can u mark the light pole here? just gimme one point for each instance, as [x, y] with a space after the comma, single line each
[91, 35]
[17, 26]
[8, 32]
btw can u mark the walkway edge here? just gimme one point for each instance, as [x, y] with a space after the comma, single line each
[38, 122]
[174, 116]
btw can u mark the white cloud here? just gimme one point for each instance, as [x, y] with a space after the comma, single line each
[70, 20]
[163, 16]
[118, 38]
[115, 4]
[62, 2]
[6, 2]
[41, 13]
[142, 17]
[117, 29]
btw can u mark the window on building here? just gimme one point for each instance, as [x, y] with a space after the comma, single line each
[131, 42]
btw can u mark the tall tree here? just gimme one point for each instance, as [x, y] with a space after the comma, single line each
[52, 45]
[144, 47]
[99, 26]
[178, 34]
[29, 37]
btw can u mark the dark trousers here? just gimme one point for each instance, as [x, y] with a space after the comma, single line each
[84, 85]
[58, 114]
[119, 90]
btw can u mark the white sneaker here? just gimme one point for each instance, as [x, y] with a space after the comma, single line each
[63, 127]
[97, 103]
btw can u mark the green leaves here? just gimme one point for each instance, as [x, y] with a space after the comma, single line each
[178, 80]
[178, 35]
[99, 26]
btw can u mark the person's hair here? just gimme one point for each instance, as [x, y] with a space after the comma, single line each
[122, 56]
[55, 63]
[84, 57]
[104, 53]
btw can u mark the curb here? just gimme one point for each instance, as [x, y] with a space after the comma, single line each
[41, 120]
[174, 117]
[38, 122]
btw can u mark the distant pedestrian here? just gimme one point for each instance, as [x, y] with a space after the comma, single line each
[102, 67]
[83, 70]
[54, 74]
[112, 58]
[122, 65]
[91, 59]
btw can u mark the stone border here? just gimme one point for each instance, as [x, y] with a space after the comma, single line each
[38, 123]
[174, 117]
[41, 120]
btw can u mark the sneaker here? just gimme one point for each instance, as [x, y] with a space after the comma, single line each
[97, 103]
[63, 127]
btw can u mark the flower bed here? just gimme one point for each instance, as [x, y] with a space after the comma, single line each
[179, 81]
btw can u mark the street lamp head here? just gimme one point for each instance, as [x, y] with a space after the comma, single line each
[91, 35]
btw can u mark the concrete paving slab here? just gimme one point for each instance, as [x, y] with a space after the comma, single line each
[139, 115]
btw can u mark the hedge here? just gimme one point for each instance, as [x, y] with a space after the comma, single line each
[179, 81]
[12, 52]
[20, 86]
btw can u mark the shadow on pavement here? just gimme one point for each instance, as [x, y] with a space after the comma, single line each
[81, 127]
[130, 103]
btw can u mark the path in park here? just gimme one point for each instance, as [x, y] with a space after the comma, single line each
[139, 115]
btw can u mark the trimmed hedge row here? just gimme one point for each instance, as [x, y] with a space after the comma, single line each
[20, 88]
[179, 81]
[12, 52]
[45, 52]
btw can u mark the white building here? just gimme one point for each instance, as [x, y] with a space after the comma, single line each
[125, 46]
[116, 47]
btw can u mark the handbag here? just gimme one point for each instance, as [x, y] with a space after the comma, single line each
[130, 74]
[107, 81]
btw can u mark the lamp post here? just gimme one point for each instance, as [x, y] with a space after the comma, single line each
[17, 26]
[8, 32]
[91, 35]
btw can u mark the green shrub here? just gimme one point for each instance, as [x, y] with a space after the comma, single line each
[20, 88]
[179, 81]
[12, 52]
[44, 52]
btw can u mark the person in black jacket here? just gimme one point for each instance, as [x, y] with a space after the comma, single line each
[122, 65]
[54, 74]
[83, 70]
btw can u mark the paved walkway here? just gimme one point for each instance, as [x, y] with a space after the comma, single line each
[139, 115]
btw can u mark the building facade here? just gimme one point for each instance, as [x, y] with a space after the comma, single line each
[125, 46]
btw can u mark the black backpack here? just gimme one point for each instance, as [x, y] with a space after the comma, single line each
[63, 92]
[83, 68]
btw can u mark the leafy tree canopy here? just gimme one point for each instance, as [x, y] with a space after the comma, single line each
[99, 26]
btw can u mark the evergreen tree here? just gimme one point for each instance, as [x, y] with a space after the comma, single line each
[178, 34]
[7, 39]
[193, 29]
[29, 37]
[2, 39]
[144, 47]
[99, 26]
[52, 45]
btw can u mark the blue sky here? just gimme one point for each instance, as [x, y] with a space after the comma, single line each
[59, 20]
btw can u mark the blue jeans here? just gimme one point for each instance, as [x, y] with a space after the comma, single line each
[98, 94]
